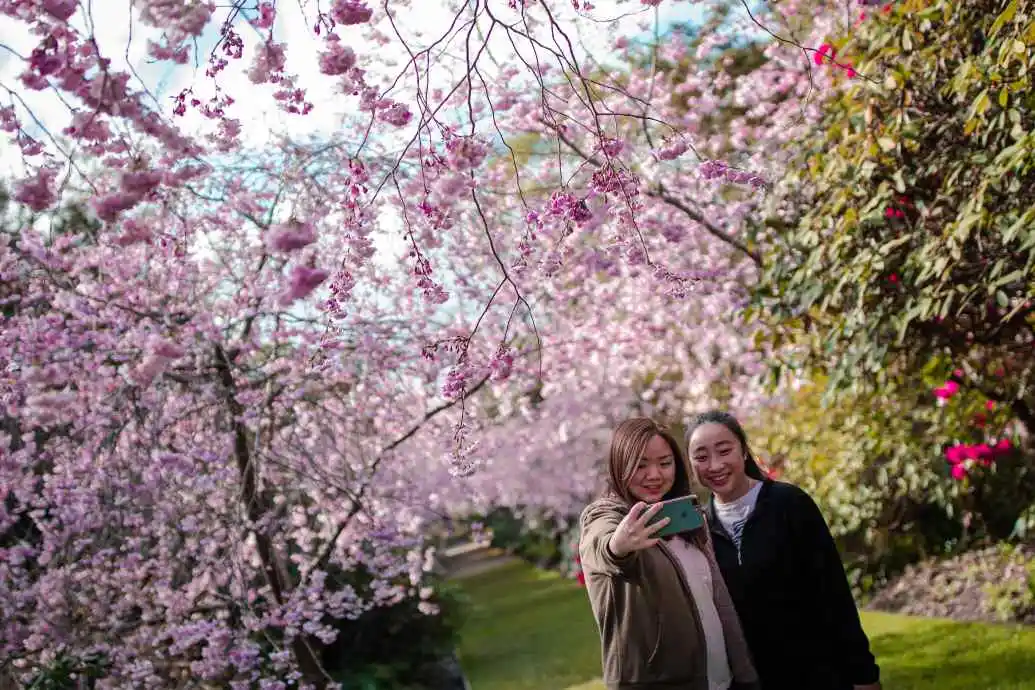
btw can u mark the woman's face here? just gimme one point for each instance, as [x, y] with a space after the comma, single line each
[655, 473]
[718, 459]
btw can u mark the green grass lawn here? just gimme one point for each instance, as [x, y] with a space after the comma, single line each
[532, 630]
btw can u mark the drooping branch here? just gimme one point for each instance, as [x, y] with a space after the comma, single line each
[357, 505]
[660, 193]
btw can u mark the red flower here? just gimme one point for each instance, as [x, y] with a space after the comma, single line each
[825, 51]
[947, 391]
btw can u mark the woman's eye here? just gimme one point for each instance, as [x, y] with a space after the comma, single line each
[727, 451]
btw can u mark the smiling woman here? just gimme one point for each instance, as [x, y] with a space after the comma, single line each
[662, 609]
[646, 465]
[782, 567]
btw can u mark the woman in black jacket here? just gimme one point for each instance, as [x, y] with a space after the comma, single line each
[782, 568]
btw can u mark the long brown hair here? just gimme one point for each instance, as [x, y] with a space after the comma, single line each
[629, 440]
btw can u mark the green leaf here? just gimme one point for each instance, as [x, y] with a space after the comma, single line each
[900, 183]
[981, 104]
[1004, 17]
[897, 242]
[1009, 278]
[1026, 219]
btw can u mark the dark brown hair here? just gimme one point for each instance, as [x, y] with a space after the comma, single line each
[629, 440]
[751, 467]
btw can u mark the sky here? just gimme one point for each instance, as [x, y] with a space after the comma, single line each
[122, 37]
[124, 41]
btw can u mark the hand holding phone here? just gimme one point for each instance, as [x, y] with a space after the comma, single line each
[637, 530]
[682, 513]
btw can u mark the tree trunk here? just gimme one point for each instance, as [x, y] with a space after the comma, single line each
[256, 506]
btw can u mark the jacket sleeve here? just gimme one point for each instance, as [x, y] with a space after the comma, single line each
[596, 526]
[834, 594]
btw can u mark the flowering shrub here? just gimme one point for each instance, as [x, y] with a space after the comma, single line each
[909, 210]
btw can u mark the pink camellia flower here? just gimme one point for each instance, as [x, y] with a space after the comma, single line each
[982, 453]
[946, 391]
[824, 52]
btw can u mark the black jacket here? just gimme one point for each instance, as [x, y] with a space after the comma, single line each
[790, 591]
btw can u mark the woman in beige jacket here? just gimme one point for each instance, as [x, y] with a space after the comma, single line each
[665, 617]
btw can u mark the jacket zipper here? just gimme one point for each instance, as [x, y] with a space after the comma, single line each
[725, 535]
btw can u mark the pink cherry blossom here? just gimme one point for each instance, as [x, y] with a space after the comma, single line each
[291, 236]
[350, 11]
[251, 369]
[338, 58]
[303, 281]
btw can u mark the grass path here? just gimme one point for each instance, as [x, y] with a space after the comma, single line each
[532, 630]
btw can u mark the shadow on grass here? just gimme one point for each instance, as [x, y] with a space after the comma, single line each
[954, 656]
[532, 630]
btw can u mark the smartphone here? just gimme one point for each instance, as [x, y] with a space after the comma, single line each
[683, 515]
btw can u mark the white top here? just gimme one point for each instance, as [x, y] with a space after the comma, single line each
[699, 576]
[734, 514]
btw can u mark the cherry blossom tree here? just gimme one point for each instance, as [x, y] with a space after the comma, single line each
[637, 248]
[224, 397]
[198, 470]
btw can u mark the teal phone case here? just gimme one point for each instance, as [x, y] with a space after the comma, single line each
[683, 517]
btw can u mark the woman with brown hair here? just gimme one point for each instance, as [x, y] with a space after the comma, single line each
[664, 615]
